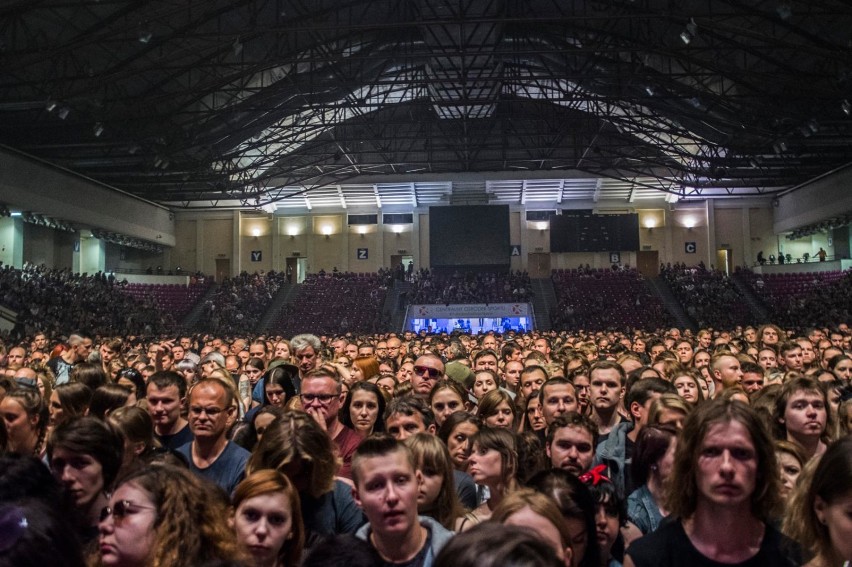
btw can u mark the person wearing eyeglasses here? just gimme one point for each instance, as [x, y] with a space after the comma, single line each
[428, 370]
[321, 397]
[164, 515]
[210, 454]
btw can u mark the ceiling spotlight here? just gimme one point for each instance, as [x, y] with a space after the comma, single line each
[687, 35]
[780, 147]
[145, 36]
[99, 129]
[50, 106]
[64, 112]
[847, 107]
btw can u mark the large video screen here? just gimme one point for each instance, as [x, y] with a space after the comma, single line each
[583, 231]
[469, 237]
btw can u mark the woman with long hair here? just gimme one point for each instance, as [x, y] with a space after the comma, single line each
[364, 409]
[456, 433]
[25, 417]
[531, 510]
[493, 462]
[437, 497]
[447, 397]
[653, 458]
[363, 368]
[165, 516]
[497, 409]
[68, 401]
[268, 520]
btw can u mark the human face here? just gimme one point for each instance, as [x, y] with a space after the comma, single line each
[502, 418]
[789, 468]
[386, 383]
[208, 412]
[444, 403]
[767, 359]
[728, 371]
[282, 351]
[364, 410]
[253, 374]
[83, 349]
[458, 444]
[606, 527]
[382, 349]
[387, 492]
[684, 352]
[534, 415]
[57, 413]
[752, 382]
[486, 362]
[15, 357]
[541, 346]
[489, 342]
[532, 380]
[512, 374]
[263, 525]
[687, 389]
[605, 388]
[836, 516]
[40, 342]
[805, 415]
[164, 406]
[351, 350]
[582, 385]
[793, 359]
[483, 384]
[579, 539]
[527, 519]
[394, 346]
[21, 428]
[843, 369]
[701, 359]
[665, 465]
[431, 482]
[322, 386]
[79, 473]
[672, 416]
[572, 449]
[306, 359]
[275, 394]
[427, 371]
[405, 372]
[808, 353]
[401, 426]
[127, 537]
[485, 466]
[770, 336]
[727, 466]
[262, 423]
[557, 399]
[355, 374]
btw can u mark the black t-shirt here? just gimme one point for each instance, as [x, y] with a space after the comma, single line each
[417, 560]
[669, 546]
[176, 440]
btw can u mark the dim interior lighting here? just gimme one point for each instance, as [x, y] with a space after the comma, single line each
[397, 229]
[64, 112]
[255, 232]
[326, 230]
[687, 35]
[689, 223]
[847, 107]
[362, 230]
[145, 36]
[542, 226]
[650, 223]
[15, 214]
[98, 129]
[50, 106]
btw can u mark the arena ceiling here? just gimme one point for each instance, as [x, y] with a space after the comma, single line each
[285, 103]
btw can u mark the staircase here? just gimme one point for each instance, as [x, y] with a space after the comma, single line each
[191, 319]
[396, 303]
[544, 302]
[756, 306]
[661, 289]
[287, 293]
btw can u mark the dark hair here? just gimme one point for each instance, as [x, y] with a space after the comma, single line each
[108, 398]
[643, 390]
[801, 384]
[609, 365]
[90, 436]
[409, 405]
[573, 419]
[344, 550]
[496, 545]
[138, 382]
[575, 502]
[346, 418]
[378, 445]
[531, 456]
[36, 533]
[283, 375]
[652, 442]
[683, 494]
[453, 421]
[23, 476]
[166, 378]
[90, 374]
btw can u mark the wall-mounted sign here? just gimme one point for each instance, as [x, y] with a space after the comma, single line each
[256, 255]
[515, 250]
[363, 253]
[690, 247]
[615, 257]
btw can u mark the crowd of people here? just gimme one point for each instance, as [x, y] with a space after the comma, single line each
[238, 304]
[591, 449]
[55, 300]
[709, 297]
[470, 287]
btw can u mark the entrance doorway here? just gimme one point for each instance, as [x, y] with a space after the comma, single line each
[223, 269]
[723, 260]
[296, 267]
[538, 265]
[397, 259]
[648, 263]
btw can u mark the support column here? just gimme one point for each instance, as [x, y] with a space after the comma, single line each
[12, 242]
[236, 256]
[711, 233]
[89, 255]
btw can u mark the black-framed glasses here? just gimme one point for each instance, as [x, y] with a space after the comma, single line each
[121, 509]
[324, 399]
[426, 370]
